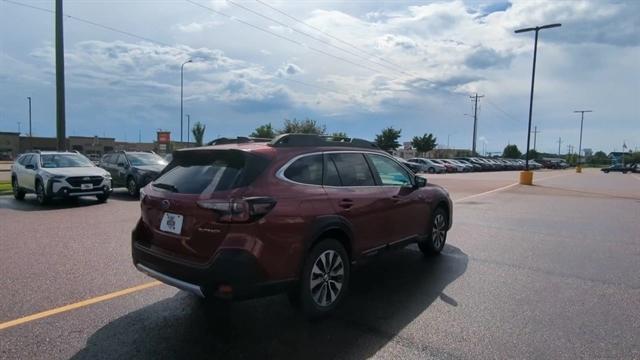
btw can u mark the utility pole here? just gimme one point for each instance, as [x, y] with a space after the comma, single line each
[19, 130]
[559, 144]
[30, 133]
[139, 136]
[475, 120]
[535, 136]
[581, 123]
[60, 111]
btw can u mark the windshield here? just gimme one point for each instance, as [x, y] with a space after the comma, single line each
[145, 159]
[51, 161]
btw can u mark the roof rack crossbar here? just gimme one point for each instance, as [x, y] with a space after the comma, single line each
[300, 140]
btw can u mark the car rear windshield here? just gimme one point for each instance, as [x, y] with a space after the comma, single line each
[205, 172]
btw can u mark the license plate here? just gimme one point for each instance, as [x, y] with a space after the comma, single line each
[171, 223]
[86, 186]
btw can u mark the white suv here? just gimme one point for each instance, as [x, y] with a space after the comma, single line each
[53, 174]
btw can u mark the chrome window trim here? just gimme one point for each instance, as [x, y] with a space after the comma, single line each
[283, 168]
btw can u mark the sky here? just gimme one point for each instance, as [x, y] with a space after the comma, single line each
[356, 67]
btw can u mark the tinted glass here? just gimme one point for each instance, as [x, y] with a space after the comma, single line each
[49, 161]
[390, 172]
[206, 172]
[24, 160]
[119, 159]
[331, 177]
[306, 170]
[353, 169]
[138, 159]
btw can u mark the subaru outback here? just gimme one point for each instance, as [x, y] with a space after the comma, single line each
[237, 221]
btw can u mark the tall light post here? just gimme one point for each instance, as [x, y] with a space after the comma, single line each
[579, 167]
[181, 95]
[188, 129]
[526, 177]
[30, 133]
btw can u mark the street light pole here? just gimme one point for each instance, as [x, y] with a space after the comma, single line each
[181, 95]
[579, 168]
[188, 129]
[533, 77]
[30, 133]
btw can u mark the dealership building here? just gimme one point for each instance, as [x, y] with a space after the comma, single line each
[12, 144]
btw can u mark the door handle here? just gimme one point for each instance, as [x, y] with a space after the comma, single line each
[346, 203]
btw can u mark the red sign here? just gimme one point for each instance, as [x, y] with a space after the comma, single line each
[164, 137]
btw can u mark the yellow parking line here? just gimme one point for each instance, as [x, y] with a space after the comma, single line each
[77, 305]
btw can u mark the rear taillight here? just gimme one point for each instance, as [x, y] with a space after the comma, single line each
[240, 210]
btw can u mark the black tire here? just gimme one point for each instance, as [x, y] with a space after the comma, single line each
[330, 285]
[434, 242]
[17, 192]
[132, 187]
[41, 195]
[102, 197]
[431, 170]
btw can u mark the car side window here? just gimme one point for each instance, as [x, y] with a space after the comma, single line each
[331, 177]
[390, 172]
[353, 169]
[120, 160]
[33, 161]
[306, 170]
[24, 160]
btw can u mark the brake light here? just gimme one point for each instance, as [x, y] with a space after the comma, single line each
[240, 210]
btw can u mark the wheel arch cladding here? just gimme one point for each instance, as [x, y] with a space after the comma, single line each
[334, 227]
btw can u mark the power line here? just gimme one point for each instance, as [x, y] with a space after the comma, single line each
[106, 27]
[328, 43]
[281, 36]
[326, 33]
[139, 37]
[500, 109]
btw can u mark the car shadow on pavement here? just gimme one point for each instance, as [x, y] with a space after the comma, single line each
[29, 203]
[385, 296]
[123, 194]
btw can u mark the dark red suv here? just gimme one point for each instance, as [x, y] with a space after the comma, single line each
[237, 221]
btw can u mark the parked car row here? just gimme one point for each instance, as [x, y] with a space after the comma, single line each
[468, 164]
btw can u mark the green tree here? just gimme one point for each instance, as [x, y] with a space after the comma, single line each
[264, 131]
[424, 143]
[533, 154]
[388, 139]
[198, 132]
[511, 152]
[306, 126]
[600, 158]
[339, 136]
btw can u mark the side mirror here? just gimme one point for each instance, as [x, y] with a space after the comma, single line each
[419, 181]
[30, 167]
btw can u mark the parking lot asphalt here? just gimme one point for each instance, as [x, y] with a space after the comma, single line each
[544, 271]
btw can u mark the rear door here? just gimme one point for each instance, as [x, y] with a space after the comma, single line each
[351, 188]
[29, 175]
[408, 213]
[120, 169]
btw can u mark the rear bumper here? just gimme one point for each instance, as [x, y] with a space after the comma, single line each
[233, 274]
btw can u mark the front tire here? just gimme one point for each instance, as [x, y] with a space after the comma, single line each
[41, 194]
[431, 170]
[433, 244]
[102, 198]
[17, 192]
[133, 188]
[325, 279]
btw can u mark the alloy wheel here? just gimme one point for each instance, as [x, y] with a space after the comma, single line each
[132, 187]
[439, 231]
[327, 277]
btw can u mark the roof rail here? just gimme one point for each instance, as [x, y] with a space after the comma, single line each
[299, 140]
[237, 140]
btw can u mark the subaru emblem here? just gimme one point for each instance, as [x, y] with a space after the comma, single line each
[86, 178]
[165, 204]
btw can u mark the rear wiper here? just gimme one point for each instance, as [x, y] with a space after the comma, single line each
[165, 186]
